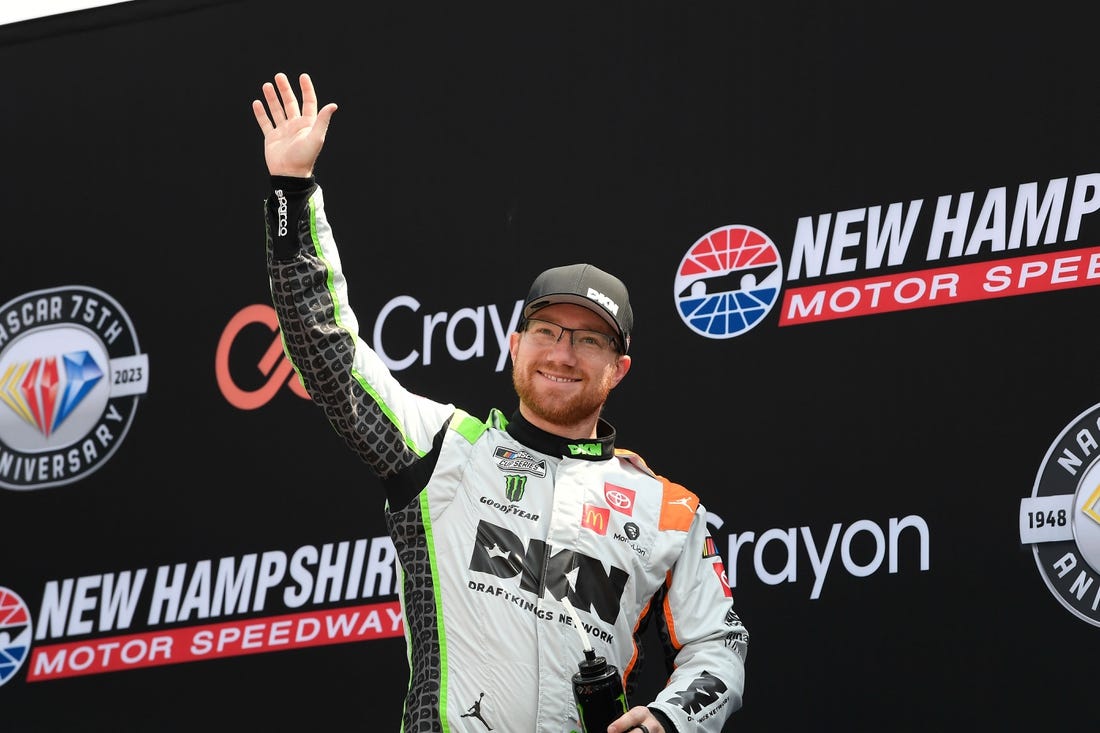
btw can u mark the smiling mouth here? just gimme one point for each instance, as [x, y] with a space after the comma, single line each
[559, 380]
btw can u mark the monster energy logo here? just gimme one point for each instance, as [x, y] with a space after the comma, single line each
[513, 487]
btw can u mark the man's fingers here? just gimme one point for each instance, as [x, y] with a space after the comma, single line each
[262, 119]
[282, 110]
[274, 106]
[309, 96]
[290, 102]
[324, 117]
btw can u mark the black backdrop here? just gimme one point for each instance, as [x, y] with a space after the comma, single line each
[477, 144]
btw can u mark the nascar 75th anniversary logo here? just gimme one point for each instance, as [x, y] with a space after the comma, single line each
[1061, 518]
[71, 375]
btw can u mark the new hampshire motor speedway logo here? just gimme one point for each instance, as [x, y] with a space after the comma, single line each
[728, 281]
[201, 610]
[1061, 518]
[71, 375]
[15, 633]
[879, 258]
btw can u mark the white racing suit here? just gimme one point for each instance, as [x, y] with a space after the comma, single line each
[495, 521]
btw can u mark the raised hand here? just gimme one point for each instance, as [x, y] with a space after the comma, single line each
[293, 137]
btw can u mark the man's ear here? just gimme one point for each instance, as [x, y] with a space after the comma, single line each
[622, 366]
[513, 345]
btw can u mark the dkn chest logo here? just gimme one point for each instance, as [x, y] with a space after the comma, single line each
[543, 570]
[976, 245]
[71, 375]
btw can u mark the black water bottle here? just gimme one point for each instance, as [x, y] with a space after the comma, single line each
[598, 692]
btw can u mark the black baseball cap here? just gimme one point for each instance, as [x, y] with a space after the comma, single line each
[585, 285]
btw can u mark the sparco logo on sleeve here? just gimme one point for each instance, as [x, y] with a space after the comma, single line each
[1061, 518]
[71, 374]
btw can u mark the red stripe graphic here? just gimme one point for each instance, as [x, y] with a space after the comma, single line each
[231, 639]
[942, 286]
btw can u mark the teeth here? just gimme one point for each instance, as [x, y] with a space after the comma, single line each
[558, 379]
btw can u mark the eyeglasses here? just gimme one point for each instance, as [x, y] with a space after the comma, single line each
[545, 334]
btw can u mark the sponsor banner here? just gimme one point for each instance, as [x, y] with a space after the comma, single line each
[860, 549]
[730, 278]
[131, 619]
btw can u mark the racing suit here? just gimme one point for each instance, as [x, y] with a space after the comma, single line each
[495, 522]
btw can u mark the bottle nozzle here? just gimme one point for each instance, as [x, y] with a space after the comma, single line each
[588, 652]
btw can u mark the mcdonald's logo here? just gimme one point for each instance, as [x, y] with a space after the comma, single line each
[595, 518]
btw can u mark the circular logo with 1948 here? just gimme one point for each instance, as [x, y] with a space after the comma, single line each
[1061, 518]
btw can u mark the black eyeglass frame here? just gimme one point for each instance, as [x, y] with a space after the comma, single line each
[612, 340]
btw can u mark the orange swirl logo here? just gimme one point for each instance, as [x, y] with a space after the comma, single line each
[272, 364]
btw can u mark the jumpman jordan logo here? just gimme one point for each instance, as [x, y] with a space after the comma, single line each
[475, 712]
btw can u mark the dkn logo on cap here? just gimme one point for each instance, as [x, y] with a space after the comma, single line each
[603, 300]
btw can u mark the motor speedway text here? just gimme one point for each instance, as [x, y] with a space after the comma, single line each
[243, 586]
[942, 286]
[175, 646]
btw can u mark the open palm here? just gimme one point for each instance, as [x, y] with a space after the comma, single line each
[293, 136]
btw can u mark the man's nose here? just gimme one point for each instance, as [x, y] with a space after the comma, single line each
[565, 341]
